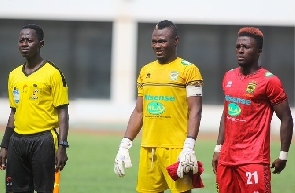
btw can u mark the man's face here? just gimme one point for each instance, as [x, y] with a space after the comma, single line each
[164, 45]
[247, 51]
[28, 43]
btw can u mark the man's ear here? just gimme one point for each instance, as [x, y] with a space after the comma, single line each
[176, 41]
[41, 43]
[259, 52]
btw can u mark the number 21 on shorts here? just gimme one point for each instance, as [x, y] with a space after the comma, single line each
[252, 178]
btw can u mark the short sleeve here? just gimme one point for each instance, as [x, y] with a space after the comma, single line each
[10, 92]
[59, 89]
[139, 84]
[275, 91]
[193, 75]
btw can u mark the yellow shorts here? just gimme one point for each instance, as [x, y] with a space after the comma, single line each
[152, 174]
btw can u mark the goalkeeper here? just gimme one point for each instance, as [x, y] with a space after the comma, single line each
[168, 110]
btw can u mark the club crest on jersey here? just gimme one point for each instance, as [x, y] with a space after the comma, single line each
[174, 75]
[251, 87]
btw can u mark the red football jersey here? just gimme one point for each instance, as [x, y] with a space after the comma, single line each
[247, 115]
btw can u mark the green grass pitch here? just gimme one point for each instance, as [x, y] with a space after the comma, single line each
[91, 158]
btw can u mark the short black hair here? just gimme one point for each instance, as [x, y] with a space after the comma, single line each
[167, 24]
[254, 33]
[37, 28]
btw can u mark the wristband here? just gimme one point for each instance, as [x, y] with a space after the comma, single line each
[6, 137]
[126, 143]
[189, 143]
[217, 148]
[283, 155]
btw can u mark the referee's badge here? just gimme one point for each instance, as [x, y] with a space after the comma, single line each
[16, 96]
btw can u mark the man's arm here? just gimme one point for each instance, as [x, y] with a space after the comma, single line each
[135, 120]
[6, 138]
[63, 119]
[283, 112]
[187, 158]
[220, 141]
[195, 115]
[220, 138]
[122, 159]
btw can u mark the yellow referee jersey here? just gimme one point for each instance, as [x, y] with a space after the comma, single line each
[165, 109]
[35, 98]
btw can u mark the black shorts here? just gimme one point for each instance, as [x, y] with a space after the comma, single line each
[30, 163]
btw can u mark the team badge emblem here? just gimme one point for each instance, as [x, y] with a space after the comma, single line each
[174, 75]
[251, 87]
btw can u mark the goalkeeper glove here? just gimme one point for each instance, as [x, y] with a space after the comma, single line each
[122, 159]
[187, 158]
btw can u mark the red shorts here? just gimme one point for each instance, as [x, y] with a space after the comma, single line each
[249, 178]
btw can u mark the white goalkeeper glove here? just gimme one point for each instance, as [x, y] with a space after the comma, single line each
[122, 159]
[187, 158]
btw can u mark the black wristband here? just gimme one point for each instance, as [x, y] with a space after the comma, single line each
[6, 137]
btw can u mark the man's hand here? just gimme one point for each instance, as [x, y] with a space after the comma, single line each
[3, 157]
[122, 159]
[279, 165]
[215, 161]
[187, 158]
[60, 158]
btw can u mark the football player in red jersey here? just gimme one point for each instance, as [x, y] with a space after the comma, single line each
[241, 159]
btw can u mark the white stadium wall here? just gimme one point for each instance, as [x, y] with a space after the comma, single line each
[125, 14]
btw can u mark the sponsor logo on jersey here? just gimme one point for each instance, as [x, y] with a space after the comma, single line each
[159, 98]
[251, 87]
[229, 83]
[234, 109]
[174, 75]
[237, 100]
[155, 108]
[268, 74]
[185, 63]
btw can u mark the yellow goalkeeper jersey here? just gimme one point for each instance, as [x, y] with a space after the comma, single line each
[165, 109]
[35, 98]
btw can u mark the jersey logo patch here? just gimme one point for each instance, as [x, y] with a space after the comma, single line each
[185, 63]
[35, 93]
[234, 110]
[251, 87]
[174, 75]
[268, 74]
[16, 95]
[229, 83]
[155, 108]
